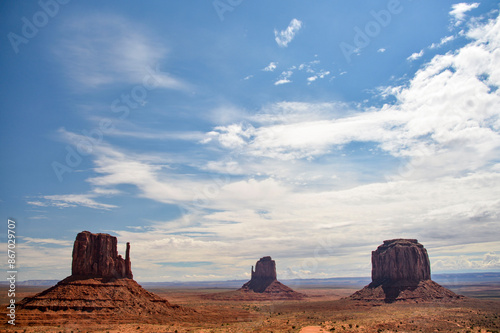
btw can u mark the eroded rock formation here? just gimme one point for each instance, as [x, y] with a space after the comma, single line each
[96, 255]
[264, 281]
[101, 286]
[402, 261]
[264, 275]
[401, 272]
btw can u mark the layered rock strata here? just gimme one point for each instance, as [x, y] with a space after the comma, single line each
[401, 272]
[96, 255]
[263, 276]
[100, 288]
[264, 281]
[402, 261]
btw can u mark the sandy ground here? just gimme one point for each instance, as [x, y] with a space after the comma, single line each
[312, 329]
[323, 310]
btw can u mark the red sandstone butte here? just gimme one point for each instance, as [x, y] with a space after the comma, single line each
[101, 288]
[264, 275]
[403, 261]
[263, 281]
[96, 255]
[401, 272]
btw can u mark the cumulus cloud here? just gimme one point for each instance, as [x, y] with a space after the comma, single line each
[459, 9]
[284, 78]
[485, 262]
[432, 174]
[444, 132]
[271, 67]
[449, 110]
[284, 37]
[416, 55]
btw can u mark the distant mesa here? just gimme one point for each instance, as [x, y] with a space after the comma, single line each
[100, 285]
[401, 272]
[263, 286]
[263, 277]
[263, 280]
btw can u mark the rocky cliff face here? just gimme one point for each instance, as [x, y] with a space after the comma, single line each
[265, 283]
[265, 268]
[264, 275]
[100, 289]
[96, 256]
[402, 261]
[401, 272]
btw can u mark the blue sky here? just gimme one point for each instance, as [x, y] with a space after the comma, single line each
[212, 133]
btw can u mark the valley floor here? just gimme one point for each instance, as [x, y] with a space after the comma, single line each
[324, 310]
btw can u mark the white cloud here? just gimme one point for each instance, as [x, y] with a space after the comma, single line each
[443, 41]
[443, 130]
[485, 262]
[51, 241]
[284, 37]
[459, 9]
[416, 55]
[448, 111]
[100, 50]
[149, 173]
[281, 81]
[322, 74]
[284, 78]
[38, 217]
[271, 67]
[381, 50]
[71, 200]
[283, 169]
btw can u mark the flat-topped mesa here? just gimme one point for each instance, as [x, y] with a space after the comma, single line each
[400, 261]
[96, 256]
[401, 273]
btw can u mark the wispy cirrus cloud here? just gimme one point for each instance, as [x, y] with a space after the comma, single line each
[443, 41]
[51, 241]
[103, 49]
[71, 200]
[288, 166]
[284, 37]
